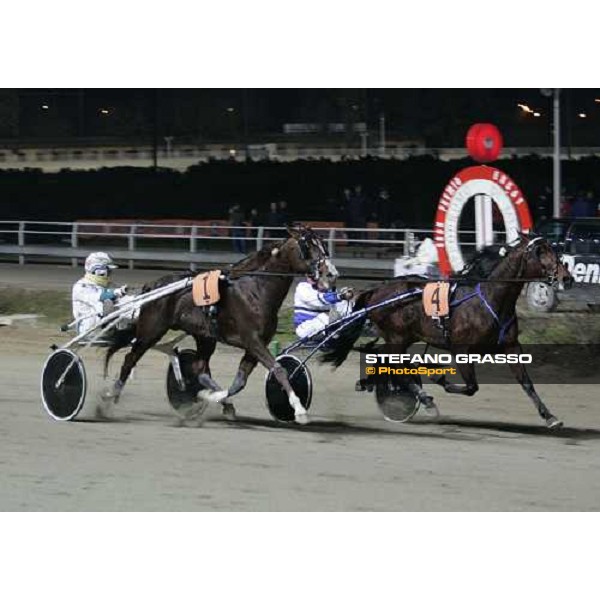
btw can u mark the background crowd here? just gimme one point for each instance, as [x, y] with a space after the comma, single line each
[387, 192]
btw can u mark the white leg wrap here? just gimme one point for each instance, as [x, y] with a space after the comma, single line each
[213, 395]
[296, 404]
[300, 413]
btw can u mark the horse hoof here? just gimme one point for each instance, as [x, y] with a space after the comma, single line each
[302, 418]
[186, 421]
[212, 395]
[553, 423]
[229, 411]
[108, 394]
[432, 411]
[105, 409]
[193, 410]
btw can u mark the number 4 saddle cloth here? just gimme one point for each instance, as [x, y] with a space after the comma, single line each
[205, 288]
[436, 299]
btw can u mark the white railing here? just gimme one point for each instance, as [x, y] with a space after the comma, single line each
[217, 243]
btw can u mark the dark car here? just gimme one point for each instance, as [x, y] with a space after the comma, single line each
[578, 243]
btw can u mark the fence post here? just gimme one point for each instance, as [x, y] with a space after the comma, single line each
[193, 233]
[21, 241]
[131, 244]
[260, 234]
[74, 242]
[331, 242]
[409, 242]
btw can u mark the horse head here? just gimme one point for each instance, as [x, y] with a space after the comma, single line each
[307, 255]
[539, 259]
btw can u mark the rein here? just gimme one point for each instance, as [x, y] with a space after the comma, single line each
[232, 275]
[405, 280]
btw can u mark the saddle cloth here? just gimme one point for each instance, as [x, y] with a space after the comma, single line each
[436, 303]
[205, 288]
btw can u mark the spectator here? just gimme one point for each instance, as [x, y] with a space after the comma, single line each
[544, 201]
[344, 204]
[592, 205]
[583, 206]
[236, 220]
[384, 211]
[356, 212]
[273, 220]
[566, 203]
[254, 221]
[284, 218]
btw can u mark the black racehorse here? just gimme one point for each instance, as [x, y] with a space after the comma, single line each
[246, 316]
[482, 315]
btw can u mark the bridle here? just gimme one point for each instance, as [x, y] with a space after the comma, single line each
[315, 264]
[532, 246]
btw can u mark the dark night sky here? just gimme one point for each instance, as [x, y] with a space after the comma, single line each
[438, 116]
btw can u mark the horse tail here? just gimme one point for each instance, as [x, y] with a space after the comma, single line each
[341, 345]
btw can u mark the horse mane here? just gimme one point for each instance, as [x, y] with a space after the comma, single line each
[483, 262]
[256, 259]
[488, 258]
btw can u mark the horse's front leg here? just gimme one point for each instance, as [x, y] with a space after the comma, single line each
[261, 352]
[246, 367]
[523, 378]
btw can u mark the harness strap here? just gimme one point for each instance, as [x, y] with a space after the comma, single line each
[487, 304]
[463, 299]
[504, 327]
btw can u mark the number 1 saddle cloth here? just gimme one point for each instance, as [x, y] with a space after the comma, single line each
[205, 288]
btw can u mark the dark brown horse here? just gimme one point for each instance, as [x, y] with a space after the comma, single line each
[246, 316]
[482, 316]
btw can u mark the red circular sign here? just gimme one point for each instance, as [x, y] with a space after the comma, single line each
[484, 142]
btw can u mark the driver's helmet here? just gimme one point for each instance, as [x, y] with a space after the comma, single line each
[313, 282]
[99, 264]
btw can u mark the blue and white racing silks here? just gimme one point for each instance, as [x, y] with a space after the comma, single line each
[309, 302]
[312, 308]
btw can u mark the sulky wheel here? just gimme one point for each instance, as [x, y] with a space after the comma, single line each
[301, 382]
[184, 400]
[395, 400]
[63, 385]
[541, 297]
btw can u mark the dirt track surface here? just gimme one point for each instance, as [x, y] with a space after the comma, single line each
[489, 452]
